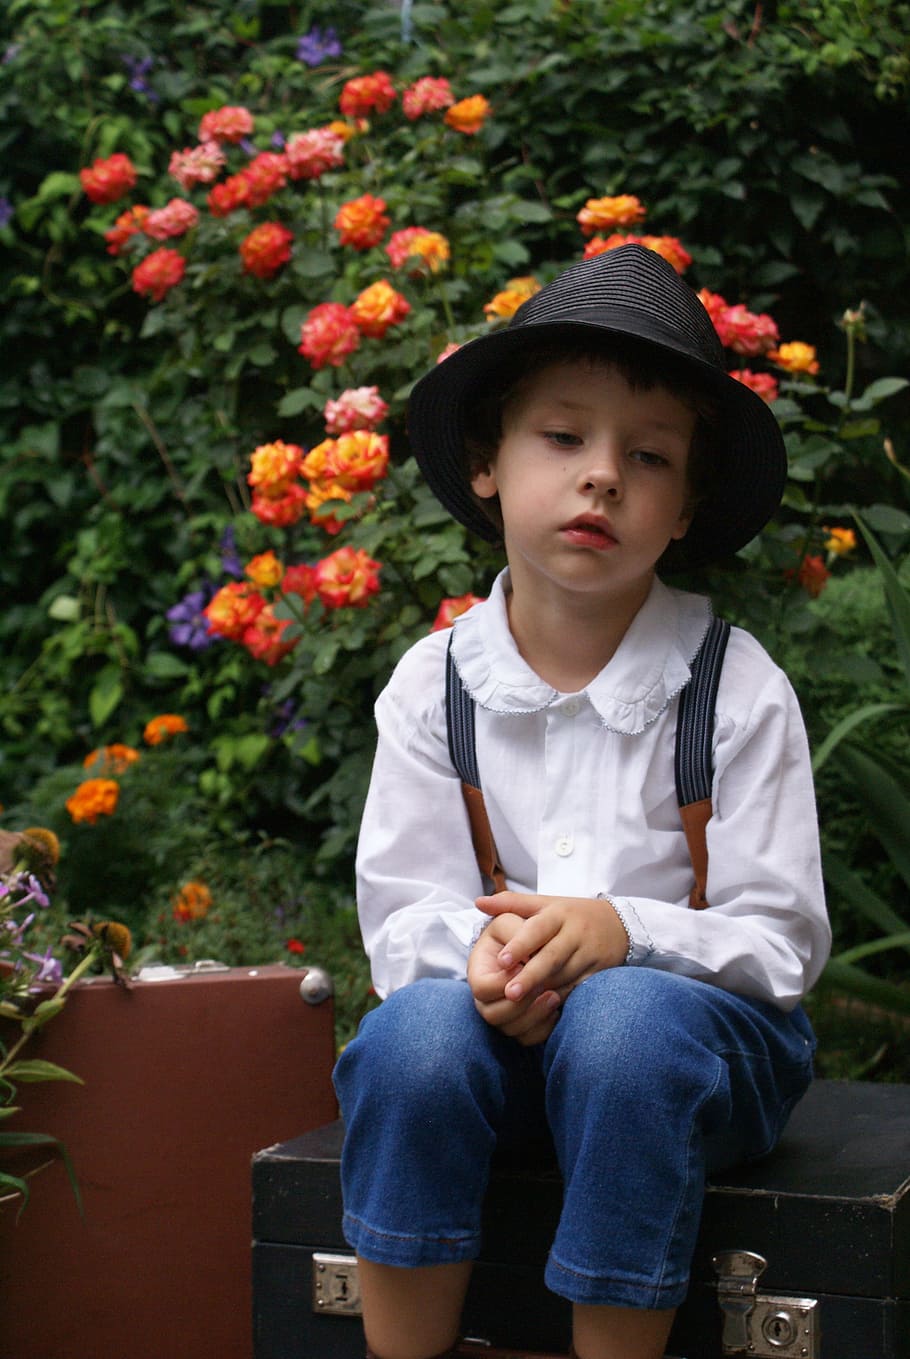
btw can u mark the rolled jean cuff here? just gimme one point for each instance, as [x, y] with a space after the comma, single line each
[594, 1290]
[405, 1249]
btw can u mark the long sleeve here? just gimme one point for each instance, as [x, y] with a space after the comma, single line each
[580, 793]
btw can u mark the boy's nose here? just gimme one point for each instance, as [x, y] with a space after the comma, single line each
[602, 476]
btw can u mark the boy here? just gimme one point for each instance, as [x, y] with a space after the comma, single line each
[598, 434]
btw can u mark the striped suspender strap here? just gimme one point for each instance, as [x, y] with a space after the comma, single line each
[463, 754]
[694, 763]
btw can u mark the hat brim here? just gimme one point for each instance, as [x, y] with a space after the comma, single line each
[747, 476]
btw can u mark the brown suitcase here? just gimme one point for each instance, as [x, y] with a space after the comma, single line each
[186, 1077]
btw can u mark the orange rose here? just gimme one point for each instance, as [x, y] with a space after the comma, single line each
[361, 222]
[264, 570]
[468, 115]
[602, 214]
[348, 577]
[507, 302]
[378, 308]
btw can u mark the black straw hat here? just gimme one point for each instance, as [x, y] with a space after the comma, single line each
[630, 291]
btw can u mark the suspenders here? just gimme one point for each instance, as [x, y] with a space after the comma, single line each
[693, 763]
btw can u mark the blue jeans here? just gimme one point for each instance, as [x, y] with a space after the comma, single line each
[647, 1083]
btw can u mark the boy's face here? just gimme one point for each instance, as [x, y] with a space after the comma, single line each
[591, 475]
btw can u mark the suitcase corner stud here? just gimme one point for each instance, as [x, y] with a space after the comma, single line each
[762, 1325]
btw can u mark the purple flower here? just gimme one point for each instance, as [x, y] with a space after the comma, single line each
[6, 211]
[139, 68]
[49, 969]
[314, 47]
[230, 561]
[189, 625]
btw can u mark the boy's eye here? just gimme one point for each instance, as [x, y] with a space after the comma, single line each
[649, 457]
[562, 438]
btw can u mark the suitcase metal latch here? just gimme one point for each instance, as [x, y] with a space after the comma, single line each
[763, 1325]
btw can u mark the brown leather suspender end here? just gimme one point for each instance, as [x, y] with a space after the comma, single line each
[482, 838]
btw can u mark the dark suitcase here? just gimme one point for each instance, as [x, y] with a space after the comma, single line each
[185, 1078]
[805, 1255]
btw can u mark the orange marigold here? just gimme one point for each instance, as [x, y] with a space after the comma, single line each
[601, 214]
[468, 115]
[93, 798]
[162, 728]
[113, 759]
[378, 308]
[192, 902]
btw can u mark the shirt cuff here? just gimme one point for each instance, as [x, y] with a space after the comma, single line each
[641, 945]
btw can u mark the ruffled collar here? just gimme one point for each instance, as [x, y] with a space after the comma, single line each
[648, 669]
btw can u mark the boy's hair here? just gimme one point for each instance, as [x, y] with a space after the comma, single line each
[642, 367]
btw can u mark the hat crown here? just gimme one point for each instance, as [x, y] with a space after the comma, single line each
[633, 290]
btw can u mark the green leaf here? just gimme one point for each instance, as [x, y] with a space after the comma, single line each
[898, 599]
[36, 1069]
[874, 946]
[846, 725]
[300, 399]
[852, 979]
[886, 519]
[855, 893]
[886, 803]
[163, 665]
[106, 694]
[882, 388]
[64, 608]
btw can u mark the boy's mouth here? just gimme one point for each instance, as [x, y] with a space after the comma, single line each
[590, 530]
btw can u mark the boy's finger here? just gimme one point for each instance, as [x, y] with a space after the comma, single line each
[525, 904]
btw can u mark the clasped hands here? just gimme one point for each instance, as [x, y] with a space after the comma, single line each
[533, 952]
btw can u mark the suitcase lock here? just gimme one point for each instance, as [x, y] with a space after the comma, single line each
[763, 1325]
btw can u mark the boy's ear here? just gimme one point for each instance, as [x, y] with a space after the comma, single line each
[483, 483]
[682, 524]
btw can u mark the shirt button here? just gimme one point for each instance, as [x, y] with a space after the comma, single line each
[571, 708]
[564, 846]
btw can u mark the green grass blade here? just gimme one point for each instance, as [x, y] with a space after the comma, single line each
[887, 803]
[898, 598]
[846, 725]
[840, 976]
[860, 897]
[873, 946]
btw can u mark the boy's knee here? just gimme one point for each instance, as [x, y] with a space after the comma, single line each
[414, 1042]
[633, 1028]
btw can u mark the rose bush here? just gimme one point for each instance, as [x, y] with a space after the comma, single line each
[269, 247]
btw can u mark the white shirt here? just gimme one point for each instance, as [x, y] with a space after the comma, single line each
[580, 793]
